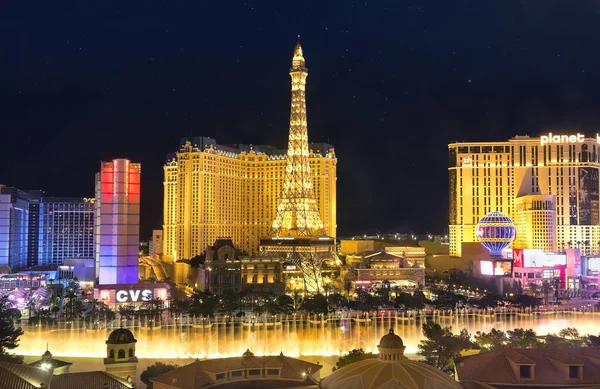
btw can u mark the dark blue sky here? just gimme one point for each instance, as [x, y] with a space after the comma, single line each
[390, 84]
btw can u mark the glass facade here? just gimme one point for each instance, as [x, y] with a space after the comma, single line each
[14, 227]
[66, 229]
[37, 230]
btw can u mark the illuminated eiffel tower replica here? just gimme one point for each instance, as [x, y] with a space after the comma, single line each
[298, 234]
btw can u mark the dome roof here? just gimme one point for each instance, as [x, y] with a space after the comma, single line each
[391, 340]
[121, 336]
[379, 374]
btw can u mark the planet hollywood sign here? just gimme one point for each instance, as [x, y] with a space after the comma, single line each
[558, 139]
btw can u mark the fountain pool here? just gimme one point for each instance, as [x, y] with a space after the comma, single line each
[292, 335]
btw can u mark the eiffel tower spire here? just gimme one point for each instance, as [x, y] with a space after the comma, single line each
[297, 234]
[297, 210]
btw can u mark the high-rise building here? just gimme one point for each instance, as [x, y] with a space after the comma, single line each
[66, 229]
[297, 232]
[212, 191]
[118, 221]
[14, 227]
[33, 240]
[548, 185]
[156, 243]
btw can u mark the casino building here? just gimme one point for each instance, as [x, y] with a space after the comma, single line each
[213, 190]
[548, 185]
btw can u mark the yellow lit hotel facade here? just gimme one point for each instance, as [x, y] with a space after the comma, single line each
[547, 185]
[212, 191]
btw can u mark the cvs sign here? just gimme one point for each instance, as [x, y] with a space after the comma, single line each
[132, 295]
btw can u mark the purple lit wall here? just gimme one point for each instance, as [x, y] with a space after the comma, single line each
[118, 218]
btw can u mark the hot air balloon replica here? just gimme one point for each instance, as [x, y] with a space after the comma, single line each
[495, 231]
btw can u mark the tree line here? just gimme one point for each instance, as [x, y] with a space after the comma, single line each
[440, 346]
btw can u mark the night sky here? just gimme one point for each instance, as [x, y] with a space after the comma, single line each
[390, 84]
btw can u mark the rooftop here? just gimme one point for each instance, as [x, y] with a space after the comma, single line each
[201, 143]
[550, 366]
[92, 379]
[199, 374]
[121, 336]
[16, 376]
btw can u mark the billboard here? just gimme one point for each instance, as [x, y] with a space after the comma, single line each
[518, 257]
[594, 264]
[498, 268]
[537, 258]
[503, 268]
[487, 268]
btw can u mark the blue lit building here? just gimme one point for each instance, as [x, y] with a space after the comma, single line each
[43, 231]
[14, 227]
[66, 229]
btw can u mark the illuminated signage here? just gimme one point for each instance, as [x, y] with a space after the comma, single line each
[550, 138]
[126, 296]
[594, 264]
[104, 295]
[503, 268]
[161, 293]
[499, 268]
[558, 139]
[524, 258]
[487, 268]
[467, 161]
[518, 257]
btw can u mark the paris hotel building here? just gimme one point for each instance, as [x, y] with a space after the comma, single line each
[212, 191]
[548, 185]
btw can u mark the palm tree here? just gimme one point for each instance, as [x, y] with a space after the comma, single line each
[533, 289]
[546, 290]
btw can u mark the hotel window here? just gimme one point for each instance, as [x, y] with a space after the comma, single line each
[525, 371]
[254, 372]
[574, 372]
[237, 373]
[220, 376]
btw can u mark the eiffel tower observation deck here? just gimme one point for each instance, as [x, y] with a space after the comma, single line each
[297, 233]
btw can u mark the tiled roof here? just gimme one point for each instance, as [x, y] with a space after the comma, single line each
[89, 380]
[518, 358]
[186, 377]
[375, 373]
[551, 366]
[194, 375]
[53, 362]
[16, 376]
